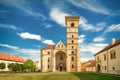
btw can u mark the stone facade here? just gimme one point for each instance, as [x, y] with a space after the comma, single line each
[63, 57]
[108, 59]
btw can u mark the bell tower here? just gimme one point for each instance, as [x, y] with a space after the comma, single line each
[73, 53]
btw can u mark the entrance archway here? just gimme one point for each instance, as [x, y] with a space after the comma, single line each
[98, 68]
[60, 61]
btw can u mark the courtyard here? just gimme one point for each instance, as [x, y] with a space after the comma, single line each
[58, 76]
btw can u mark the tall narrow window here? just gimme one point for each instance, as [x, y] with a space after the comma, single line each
[105, 57]
[72, 58]
[105, 67]
[58, 46]
[72, 47]
[61, 57]
[72, 24]
[48, 66]
[97, 58]
[62, 46]
[72, 66]
[48, 59]
[72, 41]
[72, 36]
[72, 52]
[113, 54]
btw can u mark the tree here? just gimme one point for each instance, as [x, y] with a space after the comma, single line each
[29, 65]
[15, 67]
[2, 66]
[10, 66]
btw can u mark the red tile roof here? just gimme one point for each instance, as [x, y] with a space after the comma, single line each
[109, 46]
[9, 57]
[91, 63]
[49, 47]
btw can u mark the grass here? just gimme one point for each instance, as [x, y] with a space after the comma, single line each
[58, 76]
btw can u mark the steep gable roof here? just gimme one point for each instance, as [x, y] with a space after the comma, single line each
[49, 47]
[10, 57]
[108, 47]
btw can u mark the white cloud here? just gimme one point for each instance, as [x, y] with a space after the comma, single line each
[8, 46]
[99, 39]
[26, 53]
[87, 50]
[84, 59]
[48, 26]
[50, 42]
[91, 47]
[92, 5]
[114, 27]
[83, 24]
[58, 16]
[22, 5]
[27, 35]
[81, 38]
[8, 26]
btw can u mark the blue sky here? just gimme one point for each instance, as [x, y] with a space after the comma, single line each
[28, 25]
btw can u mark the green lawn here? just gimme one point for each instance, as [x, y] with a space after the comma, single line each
[58, 76]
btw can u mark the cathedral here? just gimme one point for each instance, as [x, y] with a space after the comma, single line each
[63, 57]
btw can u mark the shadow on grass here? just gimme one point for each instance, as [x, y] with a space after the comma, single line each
[95, 76]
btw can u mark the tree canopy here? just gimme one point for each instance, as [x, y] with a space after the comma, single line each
[29, 65]
[2, 66]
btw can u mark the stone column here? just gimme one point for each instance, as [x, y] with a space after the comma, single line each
[54, 63]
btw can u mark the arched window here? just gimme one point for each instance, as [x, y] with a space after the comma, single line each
[48, 52]
[61, 57]
[72, 66]
[112, 54]
[97, 58]
[58, 46]
[72, 47]
[48, 66]
[72, 24]
[105, 57]
[72, 58]
[62, 46]
[72, 52]
[72, 36]
[72, 41]
[48, 59]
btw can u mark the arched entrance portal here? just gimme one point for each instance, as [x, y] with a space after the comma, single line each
[98, 68]
[60, 61]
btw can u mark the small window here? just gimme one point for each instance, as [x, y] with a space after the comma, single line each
[62, 46]
[72, 47]
[58, 46]
[72, 41]
[72, 58]
[105, 67]
[72, 52]
[97, 58]
[113, 68]
[48, 66]
[48, 52]
[48, 59]
[72, 24]
[61, 57]
[72, 36]
[104, 57]
[72, 66]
